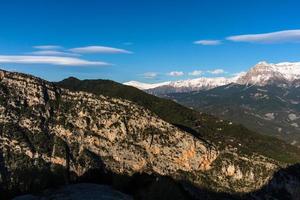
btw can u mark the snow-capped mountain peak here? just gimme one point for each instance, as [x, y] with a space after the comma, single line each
[290, 70]
[201, 83]
[263, 73]
[145, 86]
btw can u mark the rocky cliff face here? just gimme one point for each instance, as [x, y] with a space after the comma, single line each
[50, 135]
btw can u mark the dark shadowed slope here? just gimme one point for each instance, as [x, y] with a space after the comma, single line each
[284, 185]
[270, 109]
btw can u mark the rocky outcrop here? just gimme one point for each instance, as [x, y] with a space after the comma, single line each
[50, 135]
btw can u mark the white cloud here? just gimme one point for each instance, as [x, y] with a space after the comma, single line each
[52, 53]
[53, 60]
[150, 75]
[47, 47]
[216, 71]
[208, 42]
[175, 73]
[196, 73]
[99, 49]
[273, 37]
[239, 74]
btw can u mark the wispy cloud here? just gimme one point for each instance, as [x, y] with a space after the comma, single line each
[47, 47]
[175, 73]
[273, 37]
[216, 71]
[52, 53]
[196, 73]
[208, 42]
[239, 74]
[149, 75]
[53, 60]
[99, 49]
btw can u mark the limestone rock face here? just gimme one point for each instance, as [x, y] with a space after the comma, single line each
[49, 134]
[47, 126]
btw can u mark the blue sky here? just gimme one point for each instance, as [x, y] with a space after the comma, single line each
[148, 41]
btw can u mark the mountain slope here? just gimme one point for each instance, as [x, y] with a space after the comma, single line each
[270, 109]
[200, 125]
[165, 109]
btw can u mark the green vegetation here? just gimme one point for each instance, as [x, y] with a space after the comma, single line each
[204, 126]
[263, 109]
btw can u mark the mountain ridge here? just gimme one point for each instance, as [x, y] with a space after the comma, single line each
[263, 73]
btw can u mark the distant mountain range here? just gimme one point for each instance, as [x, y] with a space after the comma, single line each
[269, 109]
[283, 74]
[266, 99]
[182, 86]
